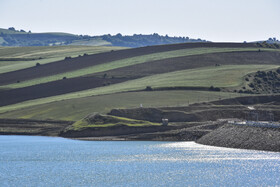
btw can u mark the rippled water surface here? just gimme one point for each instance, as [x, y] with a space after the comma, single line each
[47, 161]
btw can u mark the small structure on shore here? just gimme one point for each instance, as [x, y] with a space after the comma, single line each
[164, 121]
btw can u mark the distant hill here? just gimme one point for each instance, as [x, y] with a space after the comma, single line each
[268, 41]
[139, 40]
[13, 37]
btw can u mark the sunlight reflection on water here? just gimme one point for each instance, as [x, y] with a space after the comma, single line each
[45, 161]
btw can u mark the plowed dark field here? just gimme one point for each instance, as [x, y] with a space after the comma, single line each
[53, 88]
[90, 60]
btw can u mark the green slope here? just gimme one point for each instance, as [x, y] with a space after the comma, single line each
[126, 62]
[75, 109]
[19, 57]
[219, 76]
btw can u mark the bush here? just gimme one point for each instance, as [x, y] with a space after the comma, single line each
[64, 78]
[38, 64]
[68, 57]
[212, 88]
[246, 79]
[251, 85]
[149, 88]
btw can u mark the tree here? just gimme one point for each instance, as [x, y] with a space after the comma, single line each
[11, 29]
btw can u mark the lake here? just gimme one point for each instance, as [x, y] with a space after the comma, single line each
[49, 161]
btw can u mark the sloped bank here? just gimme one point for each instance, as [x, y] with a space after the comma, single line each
[243, 137]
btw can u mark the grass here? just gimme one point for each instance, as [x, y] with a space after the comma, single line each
[124, 63]
[48, 54]
[220, 76]
[75, 109]
[109, 121]
[2, 40]
[8, 66]
[207, 76]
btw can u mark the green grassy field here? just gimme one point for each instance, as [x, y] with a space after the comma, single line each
[48, 54]
[75, 109]
[221, 76]
[126, 62]
[109, 121]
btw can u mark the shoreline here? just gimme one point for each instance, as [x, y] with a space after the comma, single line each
[214, 133]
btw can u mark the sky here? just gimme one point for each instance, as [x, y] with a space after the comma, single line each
[213, 20]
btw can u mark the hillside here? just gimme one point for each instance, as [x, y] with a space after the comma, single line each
[16, 58]
[51, 84]
[199, 67]
[63, 77]
[13, 37]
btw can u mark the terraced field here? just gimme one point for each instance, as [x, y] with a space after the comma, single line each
[16, 58]
[70, 89]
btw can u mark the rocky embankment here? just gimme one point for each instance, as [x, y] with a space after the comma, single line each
[243, 137]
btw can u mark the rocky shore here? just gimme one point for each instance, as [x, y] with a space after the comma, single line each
[243, 137]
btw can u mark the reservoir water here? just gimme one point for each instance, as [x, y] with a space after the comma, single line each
[48, 161]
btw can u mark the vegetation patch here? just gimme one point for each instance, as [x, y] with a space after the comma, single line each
[98, 120]
[263, 82]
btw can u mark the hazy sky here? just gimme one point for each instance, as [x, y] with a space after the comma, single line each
[215, 20]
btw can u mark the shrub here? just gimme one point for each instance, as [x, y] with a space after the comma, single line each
[212, 88]
[246, 79]
[85, 54]
[149, 88]
[38, 64]
[64, 78]
[251, 85]
[68, 57]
